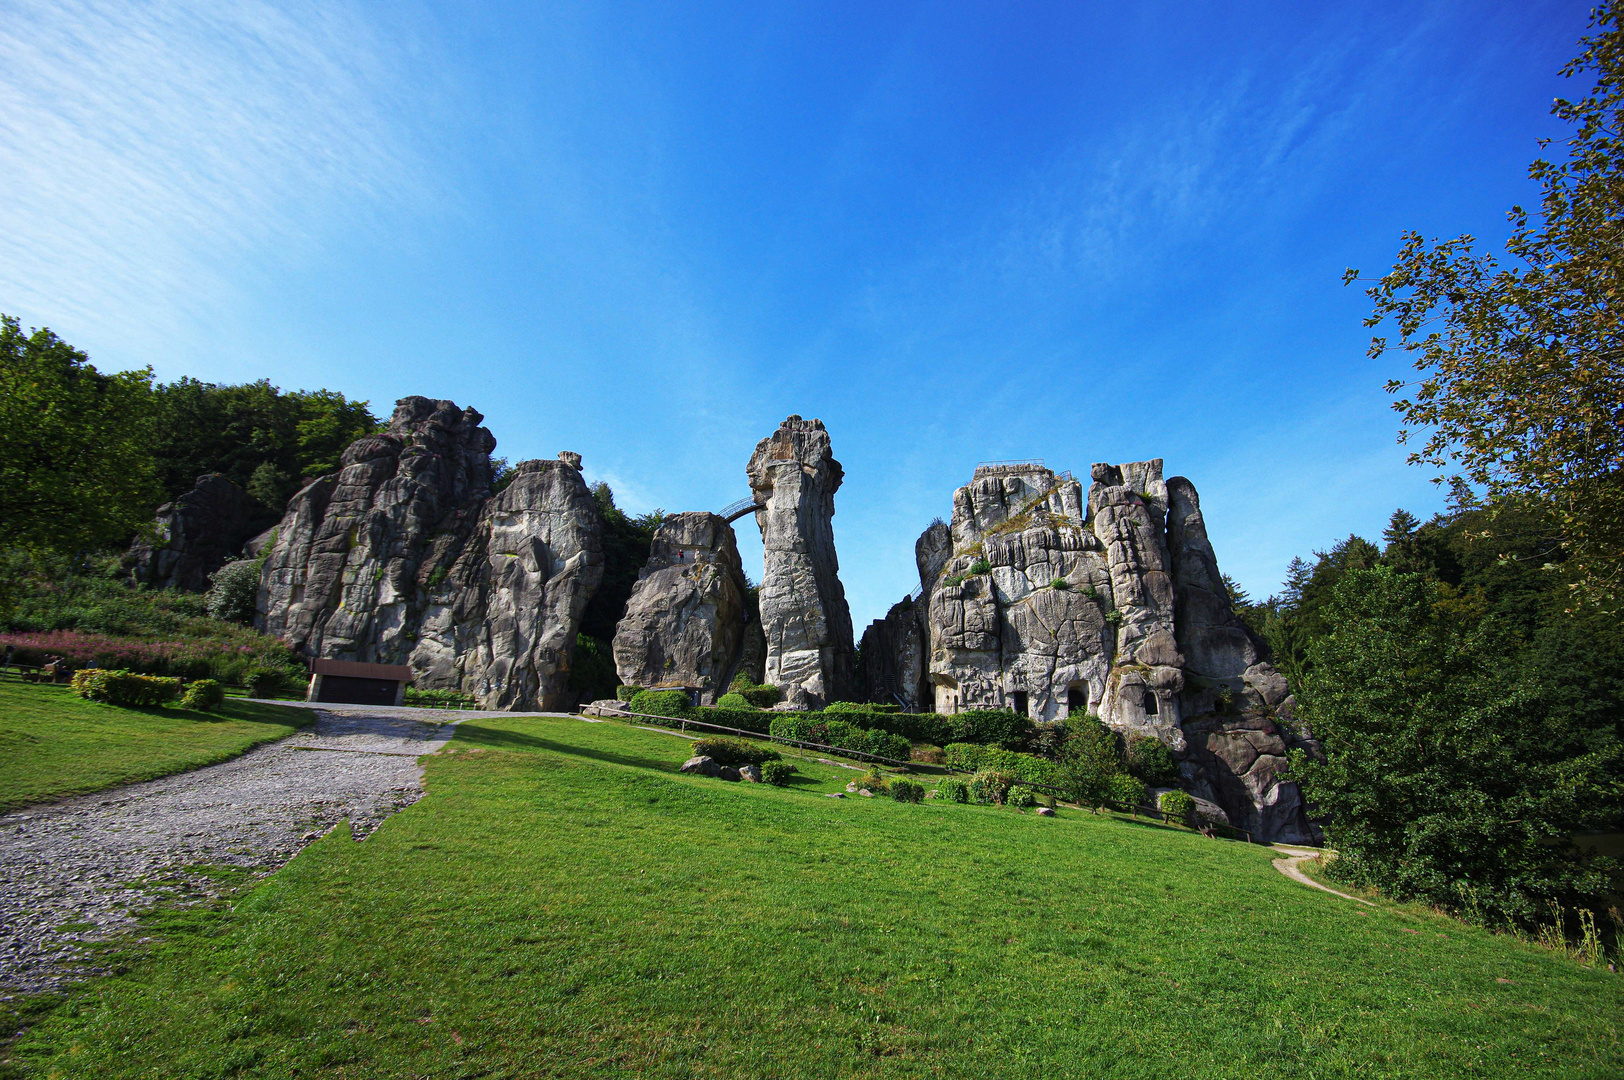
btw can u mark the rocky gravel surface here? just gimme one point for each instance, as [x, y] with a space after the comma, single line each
[78, 872]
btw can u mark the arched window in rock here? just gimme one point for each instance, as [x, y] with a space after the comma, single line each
[1150, 703]
[1076, 698]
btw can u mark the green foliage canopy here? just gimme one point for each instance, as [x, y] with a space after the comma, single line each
[75, 467]
[1457, 768]
[1521, 366]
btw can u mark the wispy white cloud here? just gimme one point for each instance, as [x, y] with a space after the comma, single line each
[149, 147]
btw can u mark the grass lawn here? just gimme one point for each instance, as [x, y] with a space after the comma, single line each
[562, 903]
[53, 744]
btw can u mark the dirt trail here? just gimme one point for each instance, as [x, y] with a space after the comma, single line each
[1288, 867]
[79, 871]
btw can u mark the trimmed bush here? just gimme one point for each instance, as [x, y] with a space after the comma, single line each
[745, 719]
[777, 773]
[204, 695]
[626, 693]
[840, 734]
[1150, 760]
[1127, 791]
[764, 696]
[265, 682]
[969, 757]
[730, 751]
[906, 791]
[1177, 805]
[733, 701]
[838, 707]
[875, 781]
[668, 703]
[952, 789]
[966, 757]
[123, 688]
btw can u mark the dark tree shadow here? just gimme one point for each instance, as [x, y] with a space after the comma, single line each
[469, 734]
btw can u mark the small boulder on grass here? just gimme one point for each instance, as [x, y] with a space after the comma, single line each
[750, 773]
[701, 766]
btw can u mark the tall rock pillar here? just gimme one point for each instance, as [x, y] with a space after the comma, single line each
[794, 477]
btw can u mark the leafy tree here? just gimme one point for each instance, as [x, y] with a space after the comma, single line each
[626, 543]
[75, 468]
[1521, 388]
[1090, 761]
[254, 433]
[1455, 771]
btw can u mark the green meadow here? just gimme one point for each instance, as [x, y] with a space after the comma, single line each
[53, 744]
[564, 903]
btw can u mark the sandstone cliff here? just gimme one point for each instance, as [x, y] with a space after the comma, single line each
[404, 557]
[1039, 600]
[196, 534]
[685, 624]
[794, 477]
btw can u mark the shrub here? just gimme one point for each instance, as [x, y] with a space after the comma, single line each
[777, 773]
[1023, 797]
[232, 591]
[440, 699]
[1089, 762]
[1151, 760]
[1060, 584]
[733, 701]
[265, 682]
[906, 791]
[980, 566]
[990, 786]
[626, 693]
[840, 734]
[123, 688]
[875, 781]
[764, 696]
[991, 727]
[730, 751]
[952, 789]
[1127, 791]
[668, 703]
[1177, 805]
[204, 695]
[928, 755]
[965, 757]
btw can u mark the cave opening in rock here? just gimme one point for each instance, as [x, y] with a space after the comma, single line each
[1150, 703]
[1022, 703]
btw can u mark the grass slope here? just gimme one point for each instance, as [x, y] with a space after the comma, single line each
[562, 903]
[53, 744]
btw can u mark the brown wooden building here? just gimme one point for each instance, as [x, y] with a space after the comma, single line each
[358, 684]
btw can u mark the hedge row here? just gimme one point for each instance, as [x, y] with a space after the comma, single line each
[815, 728]
[969, 757]
[124, 687]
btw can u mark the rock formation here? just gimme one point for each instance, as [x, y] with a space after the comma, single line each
[196, 534]
[404, 557]
[1039, 600]
[794, 477]
[891, 661]
[686, 621]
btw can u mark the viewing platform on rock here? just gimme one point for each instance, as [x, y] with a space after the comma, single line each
[733, 511]
[1013, 467]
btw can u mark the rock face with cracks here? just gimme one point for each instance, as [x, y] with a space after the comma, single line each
[686, 622]
[196, 534]
[794, 477]
[405, 557]
[1039, 598]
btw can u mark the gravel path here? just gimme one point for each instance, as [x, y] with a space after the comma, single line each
[79, 871]
[1288, 867]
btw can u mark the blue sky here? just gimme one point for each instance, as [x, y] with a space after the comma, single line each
[648, 232]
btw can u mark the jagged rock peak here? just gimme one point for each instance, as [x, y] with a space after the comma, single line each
[794, 476]
[686, 622]
[195, 535]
